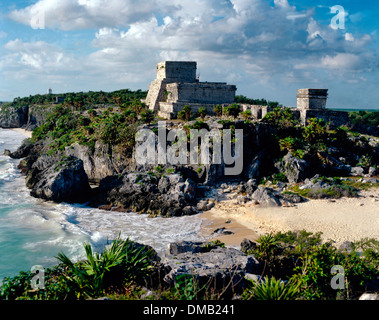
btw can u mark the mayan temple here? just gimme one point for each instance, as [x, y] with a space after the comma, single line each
[177, 85]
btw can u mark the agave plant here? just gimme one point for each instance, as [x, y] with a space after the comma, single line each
[272, 289]
[121, 260]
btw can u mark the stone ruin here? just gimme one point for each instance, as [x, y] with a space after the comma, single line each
[177, 85]
[311, 103]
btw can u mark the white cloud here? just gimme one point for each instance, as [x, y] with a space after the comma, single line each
[37, 55]
[85, 14]
[342, 61]
[247, 41]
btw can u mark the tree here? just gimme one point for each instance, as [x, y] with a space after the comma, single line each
[186, 113]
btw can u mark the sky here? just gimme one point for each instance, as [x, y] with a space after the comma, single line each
[267, 48]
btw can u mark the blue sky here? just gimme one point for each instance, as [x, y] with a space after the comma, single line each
[268, 48]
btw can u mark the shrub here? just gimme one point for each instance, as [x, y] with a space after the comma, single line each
[272, 289]
[202, 112]
[232, 110]
[116, 264]
[185, 114]
[147, 116]
[218, 110]
[315, 132]
[246, 114]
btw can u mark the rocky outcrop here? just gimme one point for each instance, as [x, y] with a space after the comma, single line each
[265, 197]
[12, 117]
[293, 168]
[147, 193]
[62, 181]
[27, 117]
[210, 264]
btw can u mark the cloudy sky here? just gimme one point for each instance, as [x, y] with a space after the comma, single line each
[268, 48]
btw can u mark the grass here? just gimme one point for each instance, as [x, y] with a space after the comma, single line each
[338, 188]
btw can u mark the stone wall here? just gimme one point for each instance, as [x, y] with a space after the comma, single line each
[333, 118]
[202, 92]
[311, 99]
[180, 71]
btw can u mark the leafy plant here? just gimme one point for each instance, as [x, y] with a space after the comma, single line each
[147, 116]
[100, 270]
[232, 110]
[272, 289]
[202, 112]
[218, 110]
[246, 114]
[185, 114]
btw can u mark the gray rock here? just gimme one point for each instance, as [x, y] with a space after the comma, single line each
[265, 197]
[357, 171]
[247, 245]
[293, 168]
[205, 205]
[292, 198]
[346, 245]
[222, 231]
[64, 181]
[251, 185]
[217, 266]
[372, 171]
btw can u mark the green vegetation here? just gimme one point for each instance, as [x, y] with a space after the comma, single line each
[78, 100]
[336, 188]
[262, 102]
[246, 114]
[306, 263]
[111, 271]
[64, 127]
[185, 114]
[370, 118]
[218, 110]
[296, 265]
[202, 112]
[232, 110]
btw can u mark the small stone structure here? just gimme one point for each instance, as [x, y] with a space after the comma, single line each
[312, 99]
[176, 85]
[311, 103]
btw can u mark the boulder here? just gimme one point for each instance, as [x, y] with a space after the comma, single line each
[63, 181]
[357, 171]
[293, 168]
[209, 264]
[265, 197]
[205, 205]
[247, 245]
[146, 193]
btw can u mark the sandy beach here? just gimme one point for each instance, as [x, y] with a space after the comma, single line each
[345, 219]
[27, 133]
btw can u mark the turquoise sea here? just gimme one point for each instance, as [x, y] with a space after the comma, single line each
[33, 231]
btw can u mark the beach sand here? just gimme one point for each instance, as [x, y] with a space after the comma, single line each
[345, 219]
[27, 133]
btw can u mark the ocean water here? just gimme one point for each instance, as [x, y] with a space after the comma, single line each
[33, 231]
